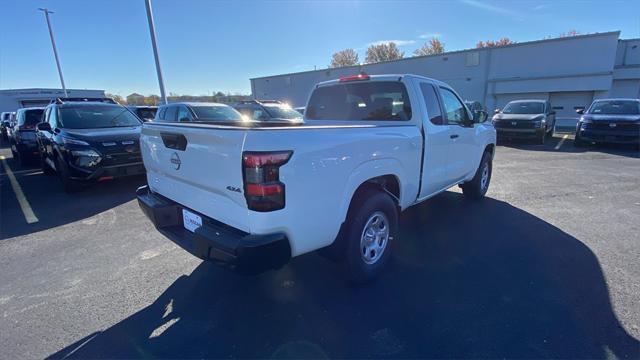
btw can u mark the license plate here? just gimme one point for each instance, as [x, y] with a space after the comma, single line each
[190, 220]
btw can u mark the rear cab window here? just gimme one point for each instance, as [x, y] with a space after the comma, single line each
[360, 101]
[31, 117]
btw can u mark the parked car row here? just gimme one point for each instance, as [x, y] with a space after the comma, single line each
[84, 140]
[605, 121]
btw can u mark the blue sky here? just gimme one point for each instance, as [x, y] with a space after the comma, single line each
[210, 46]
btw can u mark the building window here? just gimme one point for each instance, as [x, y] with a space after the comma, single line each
[473, 59]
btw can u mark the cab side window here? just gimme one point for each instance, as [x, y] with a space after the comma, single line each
[184, 114]
[453, 107]
[171, 113]
[433, 105]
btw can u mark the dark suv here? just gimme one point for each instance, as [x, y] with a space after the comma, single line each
[525, 119]
[85, 141]
[609, 121]
[268, 111]
[23, 140]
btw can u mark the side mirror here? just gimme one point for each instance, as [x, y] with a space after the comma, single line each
[580, 111]
[44, 126]
[480, 116]
[496, 111]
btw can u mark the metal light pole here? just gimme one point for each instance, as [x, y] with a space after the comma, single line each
[55, 51]
[152, 30]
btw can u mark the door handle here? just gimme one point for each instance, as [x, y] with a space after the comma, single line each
[454, 136]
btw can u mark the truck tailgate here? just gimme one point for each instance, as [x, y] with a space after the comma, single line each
[200, 168]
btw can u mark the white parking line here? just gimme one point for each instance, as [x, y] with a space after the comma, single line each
[29, 216]
[561, 141]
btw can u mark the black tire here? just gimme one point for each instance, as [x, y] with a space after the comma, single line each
[68, 185]
[368, 205]
[476, 188]
[552, 131]
[543, 137]
[46, 169]
[22, 158]
[13, 152]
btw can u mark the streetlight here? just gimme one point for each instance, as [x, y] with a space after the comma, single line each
[152, 30]
[55, 51]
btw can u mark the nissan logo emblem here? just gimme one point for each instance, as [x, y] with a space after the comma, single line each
[175, 160]
[613, 125]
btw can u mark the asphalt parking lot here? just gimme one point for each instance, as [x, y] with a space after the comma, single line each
[545, 267]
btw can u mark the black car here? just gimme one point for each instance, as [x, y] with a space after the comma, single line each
[268, 111]
[609, 121]
[84, 141]
[145, 113]
[525, 119]
[23, 140]
[5, 120]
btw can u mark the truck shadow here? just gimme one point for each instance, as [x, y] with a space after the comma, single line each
[469, 280]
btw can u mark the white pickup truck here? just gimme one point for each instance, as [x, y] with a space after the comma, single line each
[252, 197]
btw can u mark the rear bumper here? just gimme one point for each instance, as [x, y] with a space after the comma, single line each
[226, 246]
[28, 148]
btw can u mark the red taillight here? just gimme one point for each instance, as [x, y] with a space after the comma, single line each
[262, 187]
[358, 77]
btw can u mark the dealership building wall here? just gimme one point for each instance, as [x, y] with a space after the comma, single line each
[13, 99]
[570, 72]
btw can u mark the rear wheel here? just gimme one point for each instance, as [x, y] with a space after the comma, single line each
[577, 141]
[478, 186]
[372, 228]
[21, 157]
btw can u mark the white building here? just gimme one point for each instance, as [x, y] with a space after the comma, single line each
[570, 72]
[13, 99]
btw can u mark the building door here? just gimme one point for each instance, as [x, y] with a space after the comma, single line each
[503, 99]
[565, 105]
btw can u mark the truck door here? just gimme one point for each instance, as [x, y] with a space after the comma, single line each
[436, 143]
[462, 145]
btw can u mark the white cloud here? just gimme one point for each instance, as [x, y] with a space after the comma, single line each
[398, 42]
[539, 7]
[484, 6]
[430, 35]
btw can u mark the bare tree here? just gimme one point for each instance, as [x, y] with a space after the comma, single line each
[346, 57]
[434, 46]
[383, 52]
[572, 32]
[491, 43]
[119, 99]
